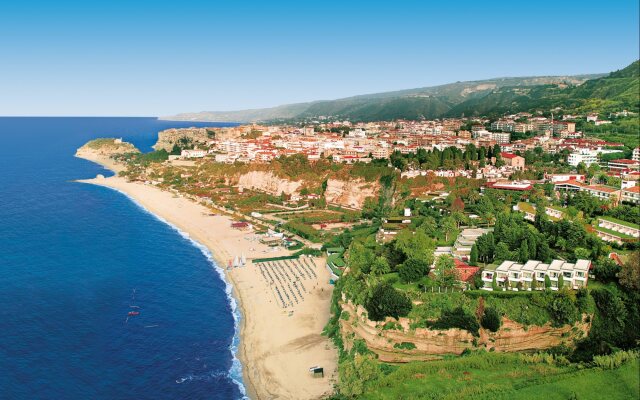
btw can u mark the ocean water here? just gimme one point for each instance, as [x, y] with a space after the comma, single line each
[75, 258]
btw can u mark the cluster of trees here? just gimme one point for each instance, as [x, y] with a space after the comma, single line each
[515, 239]
[449, 158]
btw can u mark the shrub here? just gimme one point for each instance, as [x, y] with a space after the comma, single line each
[563, 309]
[491, 320]
[404, 346]
[616, 359]
[457, 318]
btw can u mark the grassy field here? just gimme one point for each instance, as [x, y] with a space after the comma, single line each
[504, 376]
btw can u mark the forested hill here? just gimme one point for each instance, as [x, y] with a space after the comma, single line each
[617, 91]
[583, 93]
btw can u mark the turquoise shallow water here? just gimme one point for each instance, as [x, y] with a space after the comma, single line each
[75, 258]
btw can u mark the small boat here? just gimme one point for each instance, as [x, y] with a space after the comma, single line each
[133, 313]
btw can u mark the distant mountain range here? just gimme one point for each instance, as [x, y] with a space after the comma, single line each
[580, 93]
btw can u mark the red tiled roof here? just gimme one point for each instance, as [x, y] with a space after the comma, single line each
[465, 271]
[624, 161]
[509, 155]
[570, 182]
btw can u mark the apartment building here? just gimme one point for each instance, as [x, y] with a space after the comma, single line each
[585, 156]
[623, 165]
[511, 275]
[617, 231]
[501, 137]
[631, 195]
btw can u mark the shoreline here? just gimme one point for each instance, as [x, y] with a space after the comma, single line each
[266, 374]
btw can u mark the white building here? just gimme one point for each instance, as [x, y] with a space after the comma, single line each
[501, 137]
[511, 275]
[194, 153]
[587, 157]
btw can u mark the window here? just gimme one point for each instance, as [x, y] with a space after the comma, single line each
[567, 274]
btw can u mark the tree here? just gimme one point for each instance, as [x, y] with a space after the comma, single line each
[380, 266]
[494, 283]
[560, 281]
[629, 275]
[386, 301]
[360, 258]
[445, 270]
[457, 205]
[581, 253]
[486, 247]
[581, 168]
[491, 319]
[449, 226]
[502, 252]
[563, 309]
[534, 283]
[412, 270]
[606, 270]
[415, 245]
[473, 257]
[523, 253]
[544, 252]
[547, 282]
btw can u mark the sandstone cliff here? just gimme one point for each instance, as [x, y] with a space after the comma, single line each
[268, 182]
[351, 193]
[433, 344]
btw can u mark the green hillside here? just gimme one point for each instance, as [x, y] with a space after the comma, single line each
[616, 91]
[425, 102]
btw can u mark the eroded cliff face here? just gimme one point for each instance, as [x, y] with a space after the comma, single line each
[268, 182]
[433, 344]
[351, 193]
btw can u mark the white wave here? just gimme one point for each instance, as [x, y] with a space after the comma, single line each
[235, 372]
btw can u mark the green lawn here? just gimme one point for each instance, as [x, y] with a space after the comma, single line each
[503, 376]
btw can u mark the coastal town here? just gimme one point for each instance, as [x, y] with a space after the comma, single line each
[410, 210]
[369, 245]
[349, 200]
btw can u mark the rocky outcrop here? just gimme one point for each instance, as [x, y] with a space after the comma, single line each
[107, 147]
[102, 151]
[197, 136]
[351, 194]
[268, 182]
[170, 137]
[433, 344]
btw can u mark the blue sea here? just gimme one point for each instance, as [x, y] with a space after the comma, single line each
[75, 259]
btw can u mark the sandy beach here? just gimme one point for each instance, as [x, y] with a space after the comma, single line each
[278, 344]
